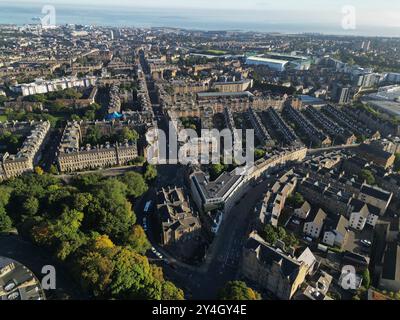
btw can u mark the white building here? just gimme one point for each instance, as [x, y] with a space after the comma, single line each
[279, 62]
[361, 214]
[41, 86]
[314, 223]
[303, 211]
[336, 232]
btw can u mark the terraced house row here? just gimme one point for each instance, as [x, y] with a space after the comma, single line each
[315, 135]
[12, 165]
[73, 156]
[332, 128]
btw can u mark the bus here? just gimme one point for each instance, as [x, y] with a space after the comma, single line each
[147, 206]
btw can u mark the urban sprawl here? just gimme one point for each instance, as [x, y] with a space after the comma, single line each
[316, 217]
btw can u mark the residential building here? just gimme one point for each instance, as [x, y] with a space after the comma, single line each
[336, 231]
[303, 211]
[361, 214]
[376, 197]
[273, 269]
[377, 155]
[72, 156]
[43, 86]
[175, 217]
[26, 285]
[314, 223]
[13, 165]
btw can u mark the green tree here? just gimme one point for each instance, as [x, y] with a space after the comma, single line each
[53, 170]
[366, 279]
[82, 200]
[65, 232]
[5, 194]
[93, 136]
[139, 161]
[150, 173]
[5, 221]
[238, 290]
[137, 240]
[129, 134]
[11, 142]
[269, 234]
[216, 170]
[136, 185]
[110, 212]
[368, 176]
[291, 240]
[95, 265]
[171, 292]
[30, 206]
[281, 233]
[259, 153]
[295, 200]
[131, 276]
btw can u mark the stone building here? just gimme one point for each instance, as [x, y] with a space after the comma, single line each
[175, 217]
[273, 269]
[73, 157]
[12, 165]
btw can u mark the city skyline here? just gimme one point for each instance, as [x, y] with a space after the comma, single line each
[198, 151]
[305, 15]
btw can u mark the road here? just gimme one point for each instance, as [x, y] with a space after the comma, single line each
[33, 257]
[223, 257]
[333, 148]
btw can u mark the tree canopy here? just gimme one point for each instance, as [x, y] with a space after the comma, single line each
[88, 225]
[136, 185]
[368, 176]
[238, 290]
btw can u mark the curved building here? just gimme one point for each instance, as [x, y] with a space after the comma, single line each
[17, 282]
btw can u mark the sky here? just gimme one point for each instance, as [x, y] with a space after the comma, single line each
[384, 13]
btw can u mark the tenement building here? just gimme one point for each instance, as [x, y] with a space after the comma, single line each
[74, 155]
[175, 217]
[34, 133]
[274, 270]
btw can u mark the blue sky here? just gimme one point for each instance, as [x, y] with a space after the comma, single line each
[368, 12]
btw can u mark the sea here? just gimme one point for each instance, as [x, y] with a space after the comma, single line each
[193, 19]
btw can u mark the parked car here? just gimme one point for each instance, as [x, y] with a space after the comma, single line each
[366, 243]
[13, 296]
[296, 222]
[308, 239]
[10, 286]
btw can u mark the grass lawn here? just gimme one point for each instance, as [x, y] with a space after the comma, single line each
[214, 52]
[3, 118]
